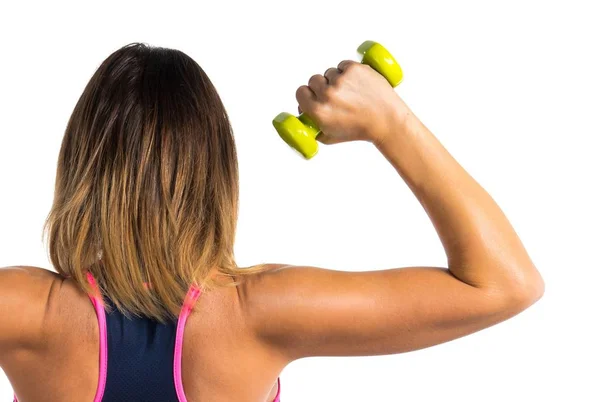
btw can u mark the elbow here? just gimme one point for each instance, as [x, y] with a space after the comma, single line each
[539, 289]
[528, 292]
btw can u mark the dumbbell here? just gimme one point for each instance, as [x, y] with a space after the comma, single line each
[301, 132]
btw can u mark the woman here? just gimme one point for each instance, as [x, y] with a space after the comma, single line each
[141, 235]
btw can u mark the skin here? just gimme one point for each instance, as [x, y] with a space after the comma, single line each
[239, 339]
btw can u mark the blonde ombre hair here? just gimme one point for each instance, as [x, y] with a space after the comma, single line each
[147, 187]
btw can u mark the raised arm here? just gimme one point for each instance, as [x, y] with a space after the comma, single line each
[311, 311]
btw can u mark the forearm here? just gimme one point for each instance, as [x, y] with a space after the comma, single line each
[482, 247]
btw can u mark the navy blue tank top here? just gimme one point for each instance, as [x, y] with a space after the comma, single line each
[141, 356]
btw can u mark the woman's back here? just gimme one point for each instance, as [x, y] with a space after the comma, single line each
[220, 359]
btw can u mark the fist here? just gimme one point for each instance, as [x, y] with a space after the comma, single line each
[350, 103]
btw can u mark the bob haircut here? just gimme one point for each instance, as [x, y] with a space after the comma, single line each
[146, 192]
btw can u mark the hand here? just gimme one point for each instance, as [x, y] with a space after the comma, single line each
[351, 103]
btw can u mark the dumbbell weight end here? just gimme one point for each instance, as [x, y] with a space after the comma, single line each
[298, 132]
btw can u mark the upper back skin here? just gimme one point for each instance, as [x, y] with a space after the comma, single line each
[238, 339]
[221, 360]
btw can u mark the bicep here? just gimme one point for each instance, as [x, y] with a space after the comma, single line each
[310, 311]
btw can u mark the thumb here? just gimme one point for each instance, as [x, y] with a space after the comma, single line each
[323, 138]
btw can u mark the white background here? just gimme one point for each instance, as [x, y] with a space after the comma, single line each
[511, 88]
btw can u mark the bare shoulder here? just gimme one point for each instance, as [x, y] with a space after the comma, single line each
[254, 286]
[25, 292]
[28, 273]
[27, 285]
[255, 290]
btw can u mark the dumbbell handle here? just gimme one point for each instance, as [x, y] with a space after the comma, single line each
[301, 132]
[311, 127]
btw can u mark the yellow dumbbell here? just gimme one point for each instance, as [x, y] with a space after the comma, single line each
[301, 132]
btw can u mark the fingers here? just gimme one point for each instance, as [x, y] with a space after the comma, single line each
[331, 75]
[345, 64]
[309, 95]
[318, 83]
[306, 98]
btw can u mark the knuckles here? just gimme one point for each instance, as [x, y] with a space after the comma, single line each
[301, 92]
[314, 79]
[330, 91]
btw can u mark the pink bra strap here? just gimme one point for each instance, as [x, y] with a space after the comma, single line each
[190, 299]
[101, 314]
[278, 391]
[192, 296]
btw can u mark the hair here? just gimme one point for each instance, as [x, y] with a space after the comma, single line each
[146, 192]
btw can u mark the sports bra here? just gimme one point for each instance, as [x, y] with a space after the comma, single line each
[136, 352]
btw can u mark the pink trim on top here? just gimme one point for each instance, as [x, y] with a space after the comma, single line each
[190, 299]
[278, 391]
[101, 314]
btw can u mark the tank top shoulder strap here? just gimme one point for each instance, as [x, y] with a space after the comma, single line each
[98, 304]
[188, 305]
[191, 297]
